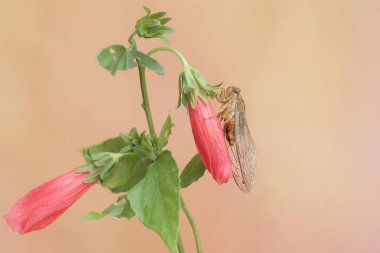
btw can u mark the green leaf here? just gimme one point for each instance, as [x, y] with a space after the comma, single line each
[120, 209]
[113, 145]
[134, 175]
[193, 171]
[116, 57]
[120, 173]
[93, 216]
[155, 199]
[149, 62]
[165, 132]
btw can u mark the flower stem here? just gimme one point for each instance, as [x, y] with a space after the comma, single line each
[180, 245]
[131, 40]
[171, 50]
[145, 103]
[192, 223]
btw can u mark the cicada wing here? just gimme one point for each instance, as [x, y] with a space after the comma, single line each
[245, 151]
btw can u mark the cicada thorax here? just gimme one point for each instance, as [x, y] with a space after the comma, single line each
[231, 101]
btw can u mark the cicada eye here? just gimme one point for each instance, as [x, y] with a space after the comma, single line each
[237, 90]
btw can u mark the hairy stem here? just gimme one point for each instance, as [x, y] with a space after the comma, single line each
[192, 223]
[171, 50]
[145, 103]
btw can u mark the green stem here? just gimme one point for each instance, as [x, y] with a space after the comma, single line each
[171, 50]
[180, 245]
[131, 40]
[192, 223]
[145, 103]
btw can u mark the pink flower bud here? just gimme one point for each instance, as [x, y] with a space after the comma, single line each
[47, 202]
[210, 141]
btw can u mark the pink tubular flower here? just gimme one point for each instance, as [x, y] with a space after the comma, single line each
[210, 141]
[47, 202]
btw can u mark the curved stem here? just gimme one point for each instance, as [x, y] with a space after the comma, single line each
[180, 245]
[192, 223]
[145, 103]
[171, 50]
[131, 40]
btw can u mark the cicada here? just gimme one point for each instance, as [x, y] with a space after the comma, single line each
[241, 146]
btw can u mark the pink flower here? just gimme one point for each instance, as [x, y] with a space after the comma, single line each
[210, 141]
[47, 202]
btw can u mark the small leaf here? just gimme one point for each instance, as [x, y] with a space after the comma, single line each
[113, 145]
[120, 209]
[193, 171]
[116, 57]
[93, 216]
[155, 199]
[149, 62]
[119, 175]
[157, 15]
[165, 132]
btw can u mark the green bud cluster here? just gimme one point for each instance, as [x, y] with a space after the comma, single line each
[153, 25]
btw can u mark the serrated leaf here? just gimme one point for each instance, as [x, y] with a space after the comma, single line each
[120, 209]
[155, 199]
[149, 62]
[119, 175]
[194, 170]
[93, 216]
[116, 57]
[127, 210]
[166, 130]
[113, 145]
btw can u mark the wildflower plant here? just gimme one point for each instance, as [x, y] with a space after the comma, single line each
[137, 165]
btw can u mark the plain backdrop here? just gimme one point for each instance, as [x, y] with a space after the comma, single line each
[309, 73]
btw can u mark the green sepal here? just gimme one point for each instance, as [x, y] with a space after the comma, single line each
[155, 199]
[194, 170]
[93, 176]
[85, 168]
[193, 85]
[121, 209]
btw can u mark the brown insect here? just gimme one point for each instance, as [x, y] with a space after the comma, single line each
[241, 146]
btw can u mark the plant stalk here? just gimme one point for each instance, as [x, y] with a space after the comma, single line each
[145, 104]
[171, 50]
[192, 223]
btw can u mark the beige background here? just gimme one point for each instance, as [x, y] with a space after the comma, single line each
[309, 72]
